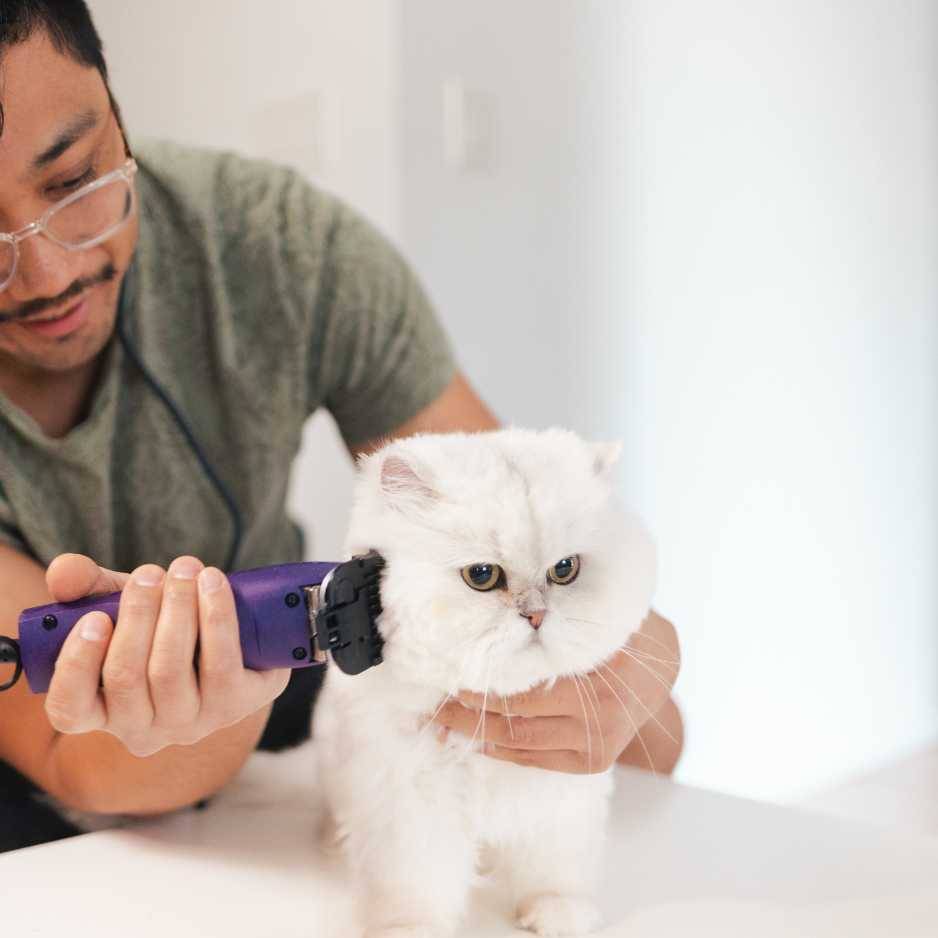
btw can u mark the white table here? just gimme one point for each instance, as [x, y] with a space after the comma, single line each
[682, 863]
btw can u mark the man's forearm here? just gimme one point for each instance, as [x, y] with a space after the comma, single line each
[95, 772]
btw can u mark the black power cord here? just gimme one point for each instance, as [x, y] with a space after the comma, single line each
[186, 430]
[10, 653]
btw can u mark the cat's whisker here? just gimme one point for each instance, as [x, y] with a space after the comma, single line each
[592, 687]
[636, 634]
[507, 714]
[638, 700]
[471, 640]
[637, 656]
[665, 684]
[595, 709]
[485, 697]
[436, 713]
[450, 695]
[651, 764]
[589, 746]
[598, 704]
[506, 632]
[475, 733]
[485, 700]
[656, 640]
[668, 661]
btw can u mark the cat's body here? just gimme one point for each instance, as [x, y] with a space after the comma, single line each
[414, 815]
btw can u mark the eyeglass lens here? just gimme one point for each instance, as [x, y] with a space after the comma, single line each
[88, 218]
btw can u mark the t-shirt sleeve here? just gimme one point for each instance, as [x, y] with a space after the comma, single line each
[379, 352]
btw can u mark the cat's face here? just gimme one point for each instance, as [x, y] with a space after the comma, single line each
[508, 559]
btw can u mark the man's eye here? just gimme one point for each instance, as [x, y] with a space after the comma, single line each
[75, 183]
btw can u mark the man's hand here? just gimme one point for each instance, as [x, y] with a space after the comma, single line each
[585, 723]
[151, 695]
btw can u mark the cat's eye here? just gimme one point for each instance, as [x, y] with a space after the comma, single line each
[482, 576]
[565, 571]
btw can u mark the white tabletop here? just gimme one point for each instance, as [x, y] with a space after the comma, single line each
[681, 863]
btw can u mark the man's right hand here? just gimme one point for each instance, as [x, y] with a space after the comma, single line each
[151, 695]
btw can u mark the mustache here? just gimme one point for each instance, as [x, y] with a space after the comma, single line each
[30, 308]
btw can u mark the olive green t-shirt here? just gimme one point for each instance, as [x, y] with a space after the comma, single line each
[254, 298]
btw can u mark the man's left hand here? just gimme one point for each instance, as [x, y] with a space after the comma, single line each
[622, 711]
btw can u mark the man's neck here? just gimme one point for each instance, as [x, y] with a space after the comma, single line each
[57, 402]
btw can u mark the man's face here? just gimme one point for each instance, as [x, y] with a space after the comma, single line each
[51, 101]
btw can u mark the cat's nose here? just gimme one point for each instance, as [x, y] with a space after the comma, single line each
[535, 618]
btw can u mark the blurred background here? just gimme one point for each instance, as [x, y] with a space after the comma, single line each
[704, 227]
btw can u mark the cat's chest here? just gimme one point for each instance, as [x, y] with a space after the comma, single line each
[501, 799]
[375, 746]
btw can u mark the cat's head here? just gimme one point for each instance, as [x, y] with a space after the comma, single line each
[509, 561]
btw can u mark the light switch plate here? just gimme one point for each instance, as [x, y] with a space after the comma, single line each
[470, 128]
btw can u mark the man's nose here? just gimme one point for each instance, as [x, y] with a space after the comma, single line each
[43, 269]
[535, 618]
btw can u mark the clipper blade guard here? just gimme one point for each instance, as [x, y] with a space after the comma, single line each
[346, 623]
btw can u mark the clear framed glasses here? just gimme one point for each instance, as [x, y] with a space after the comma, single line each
[81, 220]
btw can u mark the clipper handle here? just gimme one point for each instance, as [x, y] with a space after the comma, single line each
[273, 621]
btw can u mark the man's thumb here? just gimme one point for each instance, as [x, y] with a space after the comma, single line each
[72, 576]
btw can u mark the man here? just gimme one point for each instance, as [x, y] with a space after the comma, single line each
[167, 324]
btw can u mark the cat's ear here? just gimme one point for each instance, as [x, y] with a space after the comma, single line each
[403, 482]
[605, 456]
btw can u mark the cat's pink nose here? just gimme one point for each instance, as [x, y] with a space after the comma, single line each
[536, 618]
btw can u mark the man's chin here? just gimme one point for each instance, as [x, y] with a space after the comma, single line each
[73, 352]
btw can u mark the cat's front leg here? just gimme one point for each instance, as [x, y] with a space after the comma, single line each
[554, 872]
[413, 872]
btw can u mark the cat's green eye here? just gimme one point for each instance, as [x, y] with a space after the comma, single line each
[565, 571]
[482, 576]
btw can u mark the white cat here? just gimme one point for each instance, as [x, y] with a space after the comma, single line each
[484, 536]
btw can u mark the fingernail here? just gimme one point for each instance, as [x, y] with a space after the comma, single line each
[93, 627]
[185, 568]
[148, 575]
[210, 579]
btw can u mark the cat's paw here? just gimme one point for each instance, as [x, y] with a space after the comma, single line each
[558, 916]
[406, 931]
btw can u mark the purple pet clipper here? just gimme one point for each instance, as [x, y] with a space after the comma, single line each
[291, 615]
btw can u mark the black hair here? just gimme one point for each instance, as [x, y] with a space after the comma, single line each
[68, 25]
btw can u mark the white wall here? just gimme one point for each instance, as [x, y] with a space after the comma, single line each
[783, 350]
[307, 82]
[710, 231]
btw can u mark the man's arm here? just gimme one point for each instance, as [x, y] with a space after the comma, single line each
[94, 771]
[457, 409]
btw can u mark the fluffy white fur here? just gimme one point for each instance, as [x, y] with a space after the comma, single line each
[413, 815]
